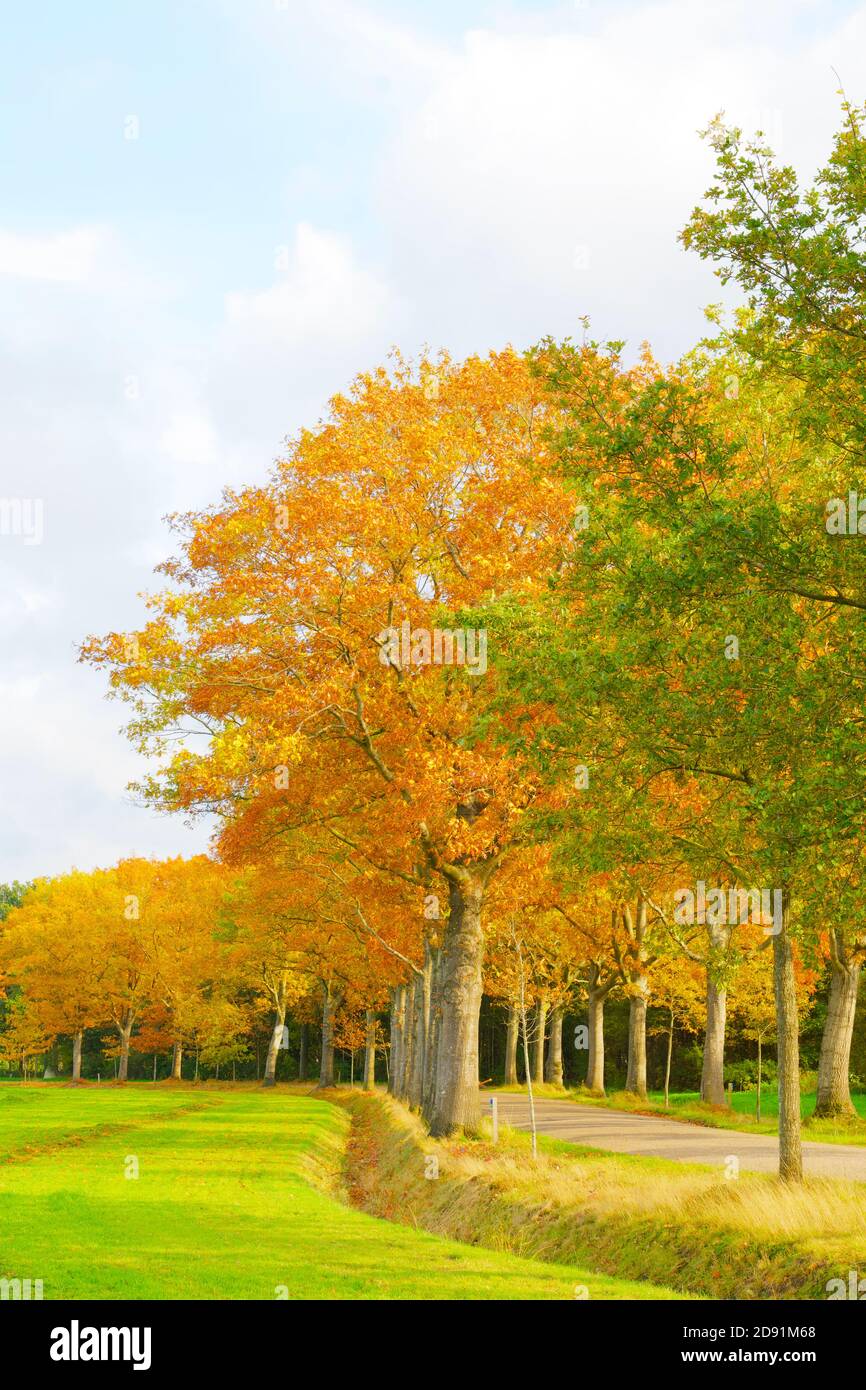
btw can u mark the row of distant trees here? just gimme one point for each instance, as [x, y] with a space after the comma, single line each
[164, 959]
[182, 957]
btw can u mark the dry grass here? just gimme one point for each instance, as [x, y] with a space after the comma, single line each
[679, 1225]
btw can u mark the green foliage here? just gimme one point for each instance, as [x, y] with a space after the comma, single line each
[744, 1074]
[11, 895]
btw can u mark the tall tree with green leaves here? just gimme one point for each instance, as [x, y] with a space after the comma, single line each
[724, 705]
[798, 254]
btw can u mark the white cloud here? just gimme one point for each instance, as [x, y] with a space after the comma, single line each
[67, 257]
[65, 774]
[190, 439]
[376, 44]
[116, 418]
[545, 169]
[322, 294]
[19, 603]
[39, 713]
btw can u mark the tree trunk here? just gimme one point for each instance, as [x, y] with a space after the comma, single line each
[409, 995]
[421, 1028]
[553, 1073]
[788, 1054]
[636, 1076]
[455, 1100]
[533, 1129]
[636, 927]
[177, 1061]
[326, 1066]
[125, 1032]
[398, 1041]
[668, 1064]
[77, 1041]
[834, 1094]
[595, 1059]
[431, 1058]
[274, 1046]
[370, 1052]
[538, 1046]
[758, 1101]
[511, 1046]
[302, 1053]
[713, 1070]
[394, 1040]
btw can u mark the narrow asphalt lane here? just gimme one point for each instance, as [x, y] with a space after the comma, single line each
[653, 1136]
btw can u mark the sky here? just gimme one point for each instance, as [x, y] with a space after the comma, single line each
[216, 212]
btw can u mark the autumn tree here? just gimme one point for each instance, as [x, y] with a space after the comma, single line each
[23, 1038]
[184, 941]
[51, 947]
[754, 1008]
[313, 629]
[678, 994]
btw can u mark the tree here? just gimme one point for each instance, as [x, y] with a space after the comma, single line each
[754, 1006]
[51, 948]
[725, 686]
[185, 944]
[23, 1039]
[118, 945]
[754, 998]
[798, 255]
[317, 637]
[679, 994]
[128, 901]
[12, 895]
[350, 1034]
[269, 934]
[845, 959]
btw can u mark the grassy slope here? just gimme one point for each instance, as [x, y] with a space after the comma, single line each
[678, 1225]
[687, 1106]
[231, 1202]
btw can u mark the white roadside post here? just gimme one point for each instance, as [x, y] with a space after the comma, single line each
[494, 1111]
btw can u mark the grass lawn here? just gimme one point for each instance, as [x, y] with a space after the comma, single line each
[687, 1105]
[237, 1197]
[33, 1117]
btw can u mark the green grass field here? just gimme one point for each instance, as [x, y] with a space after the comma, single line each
[237, 1196]
[687, 1106]
[743, 1105]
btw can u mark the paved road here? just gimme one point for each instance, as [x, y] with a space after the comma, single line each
[686, 1143]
